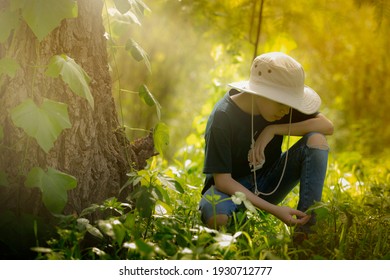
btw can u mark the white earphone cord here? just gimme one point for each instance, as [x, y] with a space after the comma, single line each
[285, 162]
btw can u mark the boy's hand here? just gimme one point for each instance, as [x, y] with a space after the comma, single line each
[256, 155]
[286, 215]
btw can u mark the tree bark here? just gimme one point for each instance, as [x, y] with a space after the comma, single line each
[95, 149]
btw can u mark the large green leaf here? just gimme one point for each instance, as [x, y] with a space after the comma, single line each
[43, 123]
[161, 137]
[8, 66]
[72, 74]
[122, 5]
[9, 20]
[53, 185]
[42, 16]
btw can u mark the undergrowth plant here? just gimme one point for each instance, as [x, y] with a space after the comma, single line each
[160, 220]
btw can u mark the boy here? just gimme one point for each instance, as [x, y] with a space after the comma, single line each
[244, 135]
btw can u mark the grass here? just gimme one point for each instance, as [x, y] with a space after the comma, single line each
[352, 220]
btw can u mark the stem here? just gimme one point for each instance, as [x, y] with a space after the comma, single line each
[252, 21]
[128, 91]
[147, 226]
[258, 29]
[119, 90]
[37, 47]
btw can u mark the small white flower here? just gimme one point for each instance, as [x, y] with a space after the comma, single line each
[250, 206]
[238, 198]
[186, 251]
[224, 240]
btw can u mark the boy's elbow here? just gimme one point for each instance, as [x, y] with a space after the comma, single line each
[327, 125]
[330, 128]
[221, 181]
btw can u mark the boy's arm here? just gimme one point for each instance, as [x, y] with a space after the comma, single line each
[319, 124]
[225, 183]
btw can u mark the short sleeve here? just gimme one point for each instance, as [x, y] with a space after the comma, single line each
[218, 158]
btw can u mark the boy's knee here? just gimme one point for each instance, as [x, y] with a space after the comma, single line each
[218, 221]
[317, 141]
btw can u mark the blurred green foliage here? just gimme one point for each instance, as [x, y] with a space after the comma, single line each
[197, 46]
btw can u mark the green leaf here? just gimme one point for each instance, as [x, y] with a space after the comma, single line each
[3, 179]
[120, 21]
[161, 137]
[43, 123]
[94, 231]
[141, 5]
[42, 16]
[145, 94]
[143, 247]
[119, 231]
[138, 53]
[170, 183]
[137, 6]
[1, 133]
[53, 185]
[84, 224]
[144, 201]
[9, 20]
[8, 66]
[72, 74]
[162, 208]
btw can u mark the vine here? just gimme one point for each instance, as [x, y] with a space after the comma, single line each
[46, 121]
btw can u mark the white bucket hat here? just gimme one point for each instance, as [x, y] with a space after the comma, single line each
[281, 78]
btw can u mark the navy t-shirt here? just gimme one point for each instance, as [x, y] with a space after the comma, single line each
[228, 139]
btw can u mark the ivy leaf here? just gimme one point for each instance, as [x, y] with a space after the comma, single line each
[53, 185]
[43, 123]
[72, 74]
[42, 16]
[145, 94]
[161, 137]
[9, 20]
[8, 66]
[138, 53]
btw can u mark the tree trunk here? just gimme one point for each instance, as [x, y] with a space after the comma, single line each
[94, 149]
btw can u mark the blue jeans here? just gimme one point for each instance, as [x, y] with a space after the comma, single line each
[305, 165]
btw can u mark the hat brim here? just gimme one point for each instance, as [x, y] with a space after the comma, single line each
[307, 102]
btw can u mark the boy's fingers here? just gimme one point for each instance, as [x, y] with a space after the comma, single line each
[300, 214]
[303, 220]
